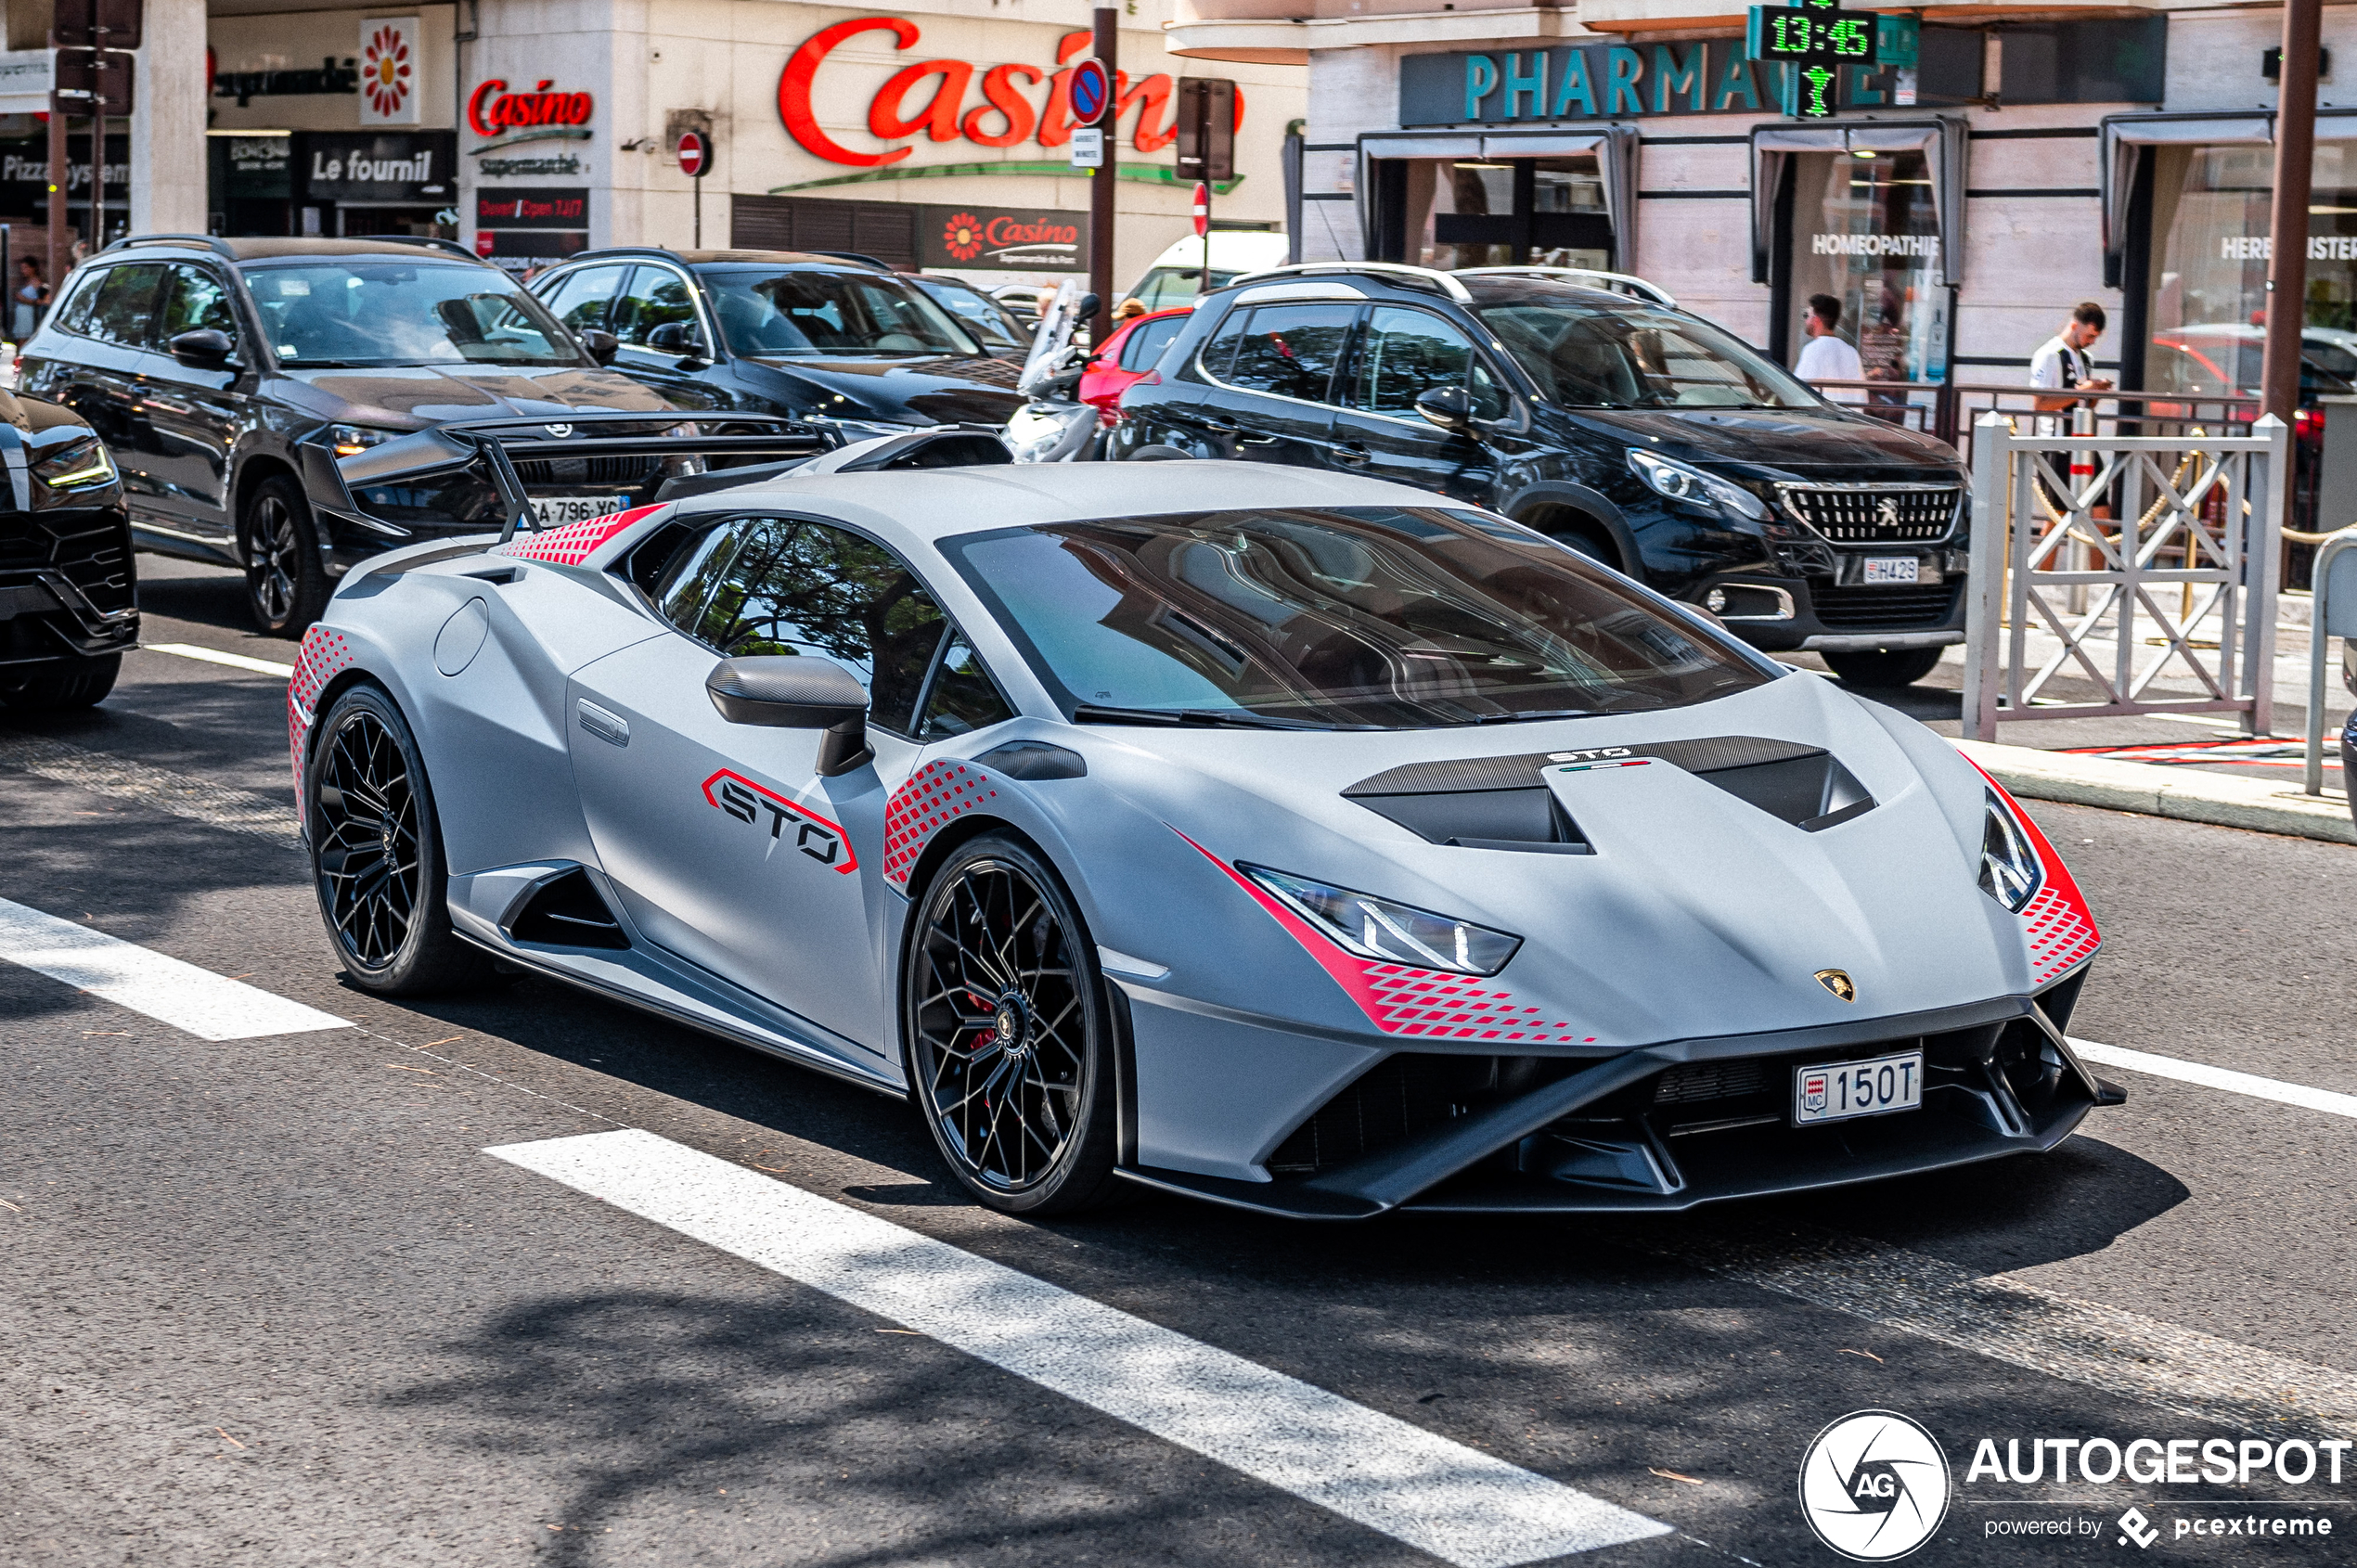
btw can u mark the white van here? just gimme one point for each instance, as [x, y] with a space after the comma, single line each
[1176, 276]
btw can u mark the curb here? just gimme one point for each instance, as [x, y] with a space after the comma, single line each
[2261, 805]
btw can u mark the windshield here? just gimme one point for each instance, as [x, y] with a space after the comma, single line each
[1166, 287]
[1357, 617]
[333, 314]
[764, 310]
[978, 312]
[1586, 352]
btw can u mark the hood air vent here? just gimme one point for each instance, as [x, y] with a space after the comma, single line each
[1500, 802]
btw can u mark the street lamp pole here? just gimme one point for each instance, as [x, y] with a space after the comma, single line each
[2295, 157]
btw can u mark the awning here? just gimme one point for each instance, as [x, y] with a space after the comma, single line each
[1941, 139]
[2125, 136]
[1614, 147]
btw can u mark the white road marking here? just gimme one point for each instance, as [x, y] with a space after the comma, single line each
[214, 656]
[1455, 1502]
[2224, 1078]
[199, 800]
[2119, 1352]
[196, 1000]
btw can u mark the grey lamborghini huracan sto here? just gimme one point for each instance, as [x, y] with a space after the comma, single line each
[1297, 842]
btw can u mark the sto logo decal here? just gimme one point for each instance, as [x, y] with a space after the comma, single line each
[822, 841]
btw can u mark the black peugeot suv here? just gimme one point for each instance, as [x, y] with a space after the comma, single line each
[228, 375]
[1591, 408]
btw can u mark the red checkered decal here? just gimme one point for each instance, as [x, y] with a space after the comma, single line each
[322, 655]
[1399, 1001]
[934, 794]
[575, 541]
[2057, 923]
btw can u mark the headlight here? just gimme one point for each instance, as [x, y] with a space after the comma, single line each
[1683, 484]
[1392, 934]
[2010, 870]
[350, 441]
[78, 465]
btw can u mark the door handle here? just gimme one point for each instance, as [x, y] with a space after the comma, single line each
[1219, 424]
[606, 727]
[1351, 452]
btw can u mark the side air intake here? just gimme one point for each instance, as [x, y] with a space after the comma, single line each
[567, 912]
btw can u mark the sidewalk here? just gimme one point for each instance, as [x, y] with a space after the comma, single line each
[2266, 806]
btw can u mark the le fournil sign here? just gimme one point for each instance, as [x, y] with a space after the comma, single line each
[1600, 82]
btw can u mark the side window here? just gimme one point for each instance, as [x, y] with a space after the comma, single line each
[125, 311]
[74, 315]
[656, 296]
[772, 586]
[1220, 352]
[1291, 350]
[198, 301]
[1406, 354]
[580, 299]
[963, 697]
[1143, 348]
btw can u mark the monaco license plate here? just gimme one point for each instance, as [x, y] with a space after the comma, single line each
[1842, 1089]
[1889, 568]
[557, 510]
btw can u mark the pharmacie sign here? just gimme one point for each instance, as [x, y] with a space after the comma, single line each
[1600, 82]
[937, 100]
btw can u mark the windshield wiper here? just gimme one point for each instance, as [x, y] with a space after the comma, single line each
[1525, 718]
[1092, 712]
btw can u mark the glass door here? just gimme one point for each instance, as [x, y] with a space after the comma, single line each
[1865, 229]
[1507, 212]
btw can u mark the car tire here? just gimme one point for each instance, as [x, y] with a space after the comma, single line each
[1050, 1146]
[1889, 667]
[376, 852]
[59, 689]
[286, 586]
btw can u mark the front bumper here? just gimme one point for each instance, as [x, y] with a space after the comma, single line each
[1669, 1127]
[1780, 614]
[66, 588]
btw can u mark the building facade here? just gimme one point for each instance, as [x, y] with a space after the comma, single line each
[2034, 157]
[933, 135]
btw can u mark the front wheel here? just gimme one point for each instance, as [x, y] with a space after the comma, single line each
[376, 852]
[287, 586]
[1009, 1042]
[1900, 666]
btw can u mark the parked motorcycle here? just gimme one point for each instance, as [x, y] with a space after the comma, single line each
[1054, 426]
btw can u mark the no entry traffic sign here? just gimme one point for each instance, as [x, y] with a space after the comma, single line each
[1203, 208]
[1092, 90]
[695, 154]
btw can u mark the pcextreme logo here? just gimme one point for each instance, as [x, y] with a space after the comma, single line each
[1873, 1486]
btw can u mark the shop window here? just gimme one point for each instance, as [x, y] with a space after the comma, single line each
[1475, 213]
[2085, 62]
[1866, 231]
[2208, 315]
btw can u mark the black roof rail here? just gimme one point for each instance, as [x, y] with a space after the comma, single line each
[859, 256]
[217, 246]
[665, 251]
[432, 241]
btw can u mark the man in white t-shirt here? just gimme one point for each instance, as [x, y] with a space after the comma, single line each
[1827, 356]
[2061, 370]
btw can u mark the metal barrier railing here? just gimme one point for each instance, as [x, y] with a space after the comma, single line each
[2070, 531]
[2334, 614]
[1948, 410]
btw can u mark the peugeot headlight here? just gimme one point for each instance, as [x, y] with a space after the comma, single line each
[1392, 934]
[78, 465]
[2010, 870]
[350, 441]
[1680, 482]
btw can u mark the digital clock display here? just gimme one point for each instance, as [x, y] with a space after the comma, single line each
[1811, 33]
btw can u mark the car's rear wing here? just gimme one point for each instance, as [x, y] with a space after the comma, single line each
[475, 475]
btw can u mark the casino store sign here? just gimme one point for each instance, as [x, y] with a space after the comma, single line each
[948, 100]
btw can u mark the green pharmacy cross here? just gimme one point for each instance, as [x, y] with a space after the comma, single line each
[1816, 95]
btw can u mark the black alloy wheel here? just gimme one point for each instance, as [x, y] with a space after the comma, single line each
[1008, 1038]
[286, 586]
[376, 852]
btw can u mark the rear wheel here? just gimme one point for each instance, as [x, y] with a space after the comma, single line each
[286, 585]
[1898, 666]
[376, 853]
[57, 689]
[1010, 1045]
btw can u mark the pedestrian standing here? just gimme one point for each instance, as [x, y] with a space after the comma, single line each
[33, 298]
[2061, 370]
[1827, 355]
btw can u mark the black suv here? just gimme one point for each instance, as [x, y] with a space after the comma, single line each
[1592, 409]
[68, 610]
[228, 374]
[817, 337]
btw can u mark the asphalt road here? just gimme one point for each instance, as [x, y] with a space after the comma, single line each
[268, 1302]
